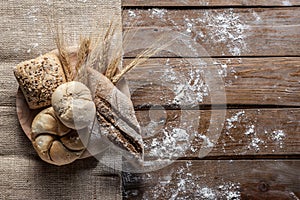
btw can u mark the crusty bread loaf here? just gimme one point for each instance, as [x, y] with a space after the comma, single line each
[38, 78]
[116, 117]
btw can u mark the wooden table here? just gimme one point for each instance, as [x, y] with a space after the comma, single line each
[255, 47]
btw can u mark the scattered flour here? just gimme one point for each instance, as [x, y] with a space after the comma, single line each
[225, 29]
[278, 136]
[223, 69]
[131, 13]
[286, 3]
[222, 28]
[257, 17]
[206, 141]
[254, 144]
[171, 146]
[235, 119]
[157, 13]
[183, 184]
[250, 130]
[190, 89]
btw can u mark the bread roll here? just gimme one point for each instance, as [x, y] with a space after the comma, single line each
[73, 104]
[54, 142]
[38, 78]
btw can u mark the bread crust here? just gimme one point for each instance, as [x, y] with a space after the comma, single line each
[38, 78]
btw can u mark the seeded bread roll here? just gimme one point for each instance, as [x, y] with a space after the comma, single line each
[38, 78]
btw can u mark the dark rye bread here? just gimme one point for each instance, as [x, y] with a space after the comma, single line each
[116, 116]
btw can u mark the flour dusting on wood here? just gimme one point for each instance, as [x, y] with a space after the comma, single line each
[256, 135]
[182, 183]
[225, 29]
[171, 145]
[221, 28]
[188, 89]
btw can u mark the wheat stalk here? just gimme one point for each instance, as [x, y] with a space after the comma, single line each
[82, 55]
[63, 54]
[140, 59]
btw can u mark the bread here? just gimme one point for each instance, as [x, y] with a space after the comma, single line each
[115, 114]
[73, 104]
[54, 142]
[38, 78]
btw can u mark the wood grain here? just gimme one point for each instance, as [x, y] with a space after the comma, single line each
[207, 3]
[246, 133]
[246, 81]
[242, 179]
[221, 32]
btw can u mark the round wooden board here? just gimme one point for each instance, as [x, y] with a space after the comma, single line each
[26, 115]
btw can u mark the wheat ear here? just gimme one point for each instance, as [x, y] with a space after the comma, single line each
[63, 54]
[82, 55]
[140, 59]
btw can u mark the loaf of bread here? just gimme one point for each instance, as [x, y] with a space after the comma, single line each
[38, 78]
[116, 117]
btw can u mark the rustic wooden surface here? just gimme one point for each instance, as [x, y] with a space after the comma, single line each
[25, 30]
[212, 179]
[255, 48]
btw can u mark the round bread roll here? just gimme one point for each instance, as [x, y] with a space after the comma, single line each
[54, 142]
[74, 105]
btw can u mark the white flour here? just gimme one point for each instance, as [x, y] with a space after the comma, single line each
[171, 145]
[257, 139]
[221, 28]
[188, 89]
[182, 184]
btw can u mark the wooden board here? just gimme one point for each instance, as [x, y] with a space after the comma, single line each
[228, 179]
[221, 32]
[246, 133]
[208, 3]
[247, 81]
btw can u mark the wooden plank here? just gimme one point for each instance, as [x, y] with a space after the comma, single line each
[221, 32]
[241, 179]
[29, 178]
[207, 3]
[246, 81]
[251, 133]
[246, 133]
